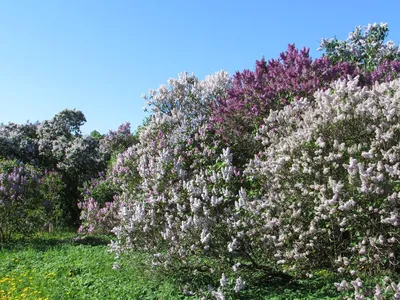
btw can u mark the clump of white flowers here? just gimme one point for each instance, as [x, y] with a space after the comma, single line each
[330, 181]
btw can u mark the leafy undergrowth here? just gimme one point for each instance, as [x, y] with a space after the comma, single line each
[59, 266]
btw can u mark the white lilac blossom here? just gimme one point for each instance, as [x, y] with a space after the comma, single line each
[219, 295]
[239, 285]
[223, 281]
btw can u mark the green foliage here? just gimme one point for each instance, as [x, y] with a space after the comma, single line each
[104, 191]
[96, 135]
[51, 192]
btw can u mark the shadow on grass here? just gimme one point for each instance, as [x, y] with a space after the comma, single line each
[46, 241]
[260, 285]
[266, 287]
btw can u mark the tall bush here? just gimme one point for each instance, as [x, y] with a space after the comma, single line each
[329, 181]
[21, 209]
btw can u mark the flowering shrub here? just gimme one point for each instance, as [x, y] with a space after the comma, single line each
[77, 158]
[278, 82]
[55, 144]
[55, 135]
[100, 206]
[29, 199]
[365, 47]
[272, 86]
[189, 95]
[116, 142]
[19, 142]
[385, 72]
[367, 50]
[139, 171]
[178, 182]
[101, 195]
[322, 192]
[21, 210]
[329, 192]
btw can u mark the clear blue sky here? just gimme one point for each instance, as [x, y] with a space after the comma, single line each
[100, 56]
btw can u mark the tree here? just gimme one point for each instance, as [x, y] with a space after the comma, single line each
[365, 47]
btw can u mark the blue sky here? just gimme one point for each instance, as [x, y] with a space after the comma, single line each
[100, 56]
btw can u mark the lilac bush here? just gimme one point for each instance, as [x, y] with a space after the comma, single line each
[178, 182]
[63, 148]
[21, 210]
[188, 94]
[101, 194]
[29, 199]
[329, 192]
[321, 193]
[100, 205]
[385, 72]
[273, 85]
[117, 141]
[19, 142]
[365, 47]
[98, 218]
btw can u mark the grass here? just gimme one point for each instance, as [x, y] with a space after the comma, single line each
[54, 266]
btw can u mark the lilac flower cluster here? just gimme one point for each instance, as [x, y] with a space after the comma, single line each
[273, 85]
[117, 141]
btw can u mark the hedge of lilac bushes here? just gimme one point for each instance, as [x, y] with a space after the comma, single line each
[284, 170]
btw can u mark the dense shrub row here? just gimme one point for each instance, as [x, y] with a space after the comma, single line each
[286, 169]
[283, 170]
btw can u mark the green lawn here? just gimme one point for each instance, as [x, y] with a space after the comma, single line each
[55, 267]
